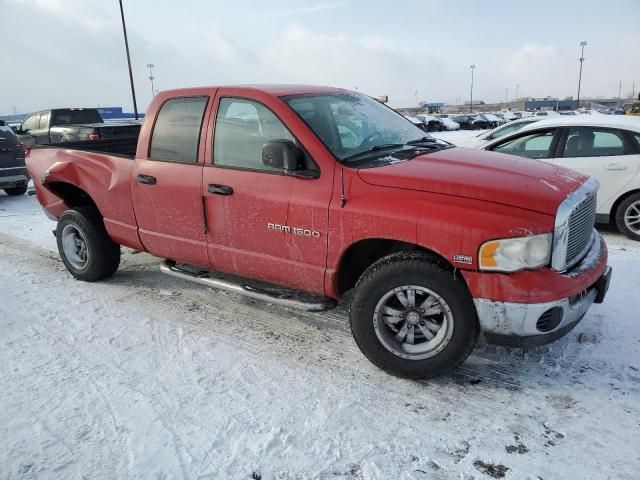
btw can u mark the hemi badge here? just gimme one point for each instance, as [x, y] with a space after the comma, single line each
[468, 259]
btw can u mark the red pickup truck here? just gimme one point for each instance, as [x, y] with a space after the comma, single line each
[299, 194]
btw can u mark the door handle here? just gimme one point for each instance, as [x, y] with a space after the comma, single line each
[615, 166]
[146, 179]
[219, 189]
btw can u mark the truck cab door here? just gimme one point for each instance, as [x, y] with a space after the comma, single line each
[167, 182]
[263, 223]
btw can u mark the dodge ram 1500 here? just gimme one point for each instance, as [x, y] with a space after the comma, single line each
[323, 191]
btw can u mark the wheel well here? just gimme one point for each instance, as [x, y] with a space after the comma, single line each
[616, 204]
[361, 255]
[73, 196]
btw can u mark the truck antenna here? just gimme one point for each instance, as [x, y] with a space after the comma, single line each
[343, 200]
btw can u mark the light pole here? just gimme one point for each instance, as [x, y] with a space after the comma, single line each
[582, 44]
[473, 67]
[126, 46]
[151, 77]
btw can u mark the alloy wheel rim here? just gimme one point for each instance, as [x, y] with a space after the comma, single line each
[413, 322]
[74, 246]
[632, 217]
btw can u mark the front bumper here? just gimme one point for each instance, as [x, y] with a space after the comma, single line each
[537, 323]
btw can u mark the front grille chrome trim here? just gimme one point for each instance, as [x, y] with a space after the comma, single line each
[561, 230]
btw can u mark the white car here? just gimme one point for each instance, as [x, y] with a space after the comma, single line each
[605, 147]
[482, 139]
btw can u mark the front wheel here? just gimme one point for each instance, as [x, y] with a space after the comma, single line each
[628, 216]
[85, 246]
[412, 318]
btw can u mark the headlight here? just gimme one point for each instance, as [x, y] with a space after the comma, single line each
[513, 254]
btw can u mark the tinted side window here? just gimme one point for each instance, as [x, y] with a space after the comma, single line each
[534, 145]
[242, 128]
[176, 133]
[71, 116]
[31, 122]
[593, 142]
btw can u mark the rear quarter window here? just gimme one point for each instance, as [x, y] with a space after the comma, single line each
[176, 133]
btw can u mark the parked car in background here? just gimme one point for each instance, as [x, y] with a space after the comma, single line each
[604, 147]
[417, 122]
[433, 124]
[13, 172]
[61, 125]
[471, 122]
[493, 120]
[546, 113]
[448, 123]
[478, 141]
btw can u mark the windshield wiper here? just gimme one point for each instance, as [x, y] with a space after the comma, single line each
[423, 140]
[374, 149]
[385, 146]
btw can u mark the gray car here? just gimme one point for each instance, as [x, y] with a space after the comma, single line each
[13, 172]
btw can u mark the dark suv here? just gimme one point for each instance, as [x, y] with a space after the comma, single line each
[13, 173]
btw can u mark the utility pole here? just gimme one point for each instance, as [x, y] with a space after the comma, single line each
[517, 88]
[582, 44]
[473, 67]
[126, 46]
[151, 77]
[506, 97]
[620, 89]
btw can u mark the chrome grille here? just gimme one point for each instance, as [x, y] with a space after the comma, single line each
[581, 223]
[574, 226]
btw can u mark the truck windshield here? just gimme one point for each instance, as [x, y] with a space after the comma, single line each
[73, 116]
[354, 126]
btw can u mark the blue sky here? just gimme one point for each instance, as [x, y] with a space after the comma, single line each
[70, 52]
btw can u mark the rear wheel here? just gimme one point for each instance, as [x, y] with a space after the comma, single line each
[411, 318]
[85, 246]
[14, 191]
[628, 216]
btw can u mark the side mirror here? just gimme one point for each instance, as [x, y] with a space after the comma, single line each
[282, 154]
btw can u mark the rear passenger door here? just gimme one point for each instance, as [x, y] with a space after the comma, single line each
[166, 184]
[607, 154]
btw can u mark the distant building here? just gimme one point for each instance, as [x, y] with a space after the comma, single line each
[432, 107]
[550, 104]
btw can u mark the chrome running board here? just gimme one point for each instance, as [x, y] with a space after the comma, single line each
[284, 297]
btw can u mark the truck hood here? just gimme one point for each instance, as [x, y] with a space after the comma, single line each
[481, 175]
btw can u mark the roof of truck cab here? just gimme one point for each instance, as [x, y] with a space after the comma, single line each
[278, 90]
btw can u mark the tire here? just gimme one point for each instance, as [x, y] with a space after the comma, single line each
[15, 191]
[85, 246]
[628, 216]
[376, 334]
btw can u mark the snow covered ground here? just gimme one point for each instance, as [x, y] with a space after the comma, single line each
[145, 376]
